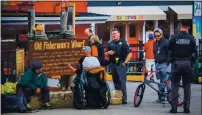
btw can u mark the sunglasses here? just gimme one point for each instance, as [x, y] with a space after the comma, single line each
[157, 36]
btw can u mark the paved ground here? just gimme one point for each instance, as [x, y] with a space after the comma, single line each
[146, 107]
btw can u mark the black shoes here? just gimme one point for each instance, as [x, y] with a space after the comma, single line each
[173, 110]
[173, 107]
[124, 103]
[186, 111]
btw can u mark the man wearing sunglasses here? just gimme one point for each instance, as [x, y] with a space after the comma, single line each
[161, 60]
[183, 53]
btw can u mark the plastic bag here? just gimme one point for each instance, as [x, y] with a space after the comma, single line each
[13, 103]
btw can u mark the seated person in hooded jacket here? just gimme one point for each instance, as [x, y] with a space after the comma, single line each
[34, 82]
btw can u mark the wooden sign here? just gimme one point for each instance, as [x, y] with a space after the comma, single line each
[56, 54]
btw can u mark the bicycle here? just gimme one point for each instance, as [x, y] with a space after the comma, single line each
[141, 88]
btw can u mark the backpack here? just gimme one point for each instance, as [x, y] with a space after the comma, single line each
[13, 104]
[101, 56]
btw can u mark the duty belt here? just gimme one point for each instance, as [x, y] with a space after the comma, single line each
[178, 59]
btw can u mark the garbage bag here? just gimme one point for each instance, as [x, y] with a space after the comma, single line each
[13, 104]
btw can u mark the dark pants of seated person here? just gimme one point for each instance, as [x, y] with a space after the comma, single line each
[93, 91]
[28, 92]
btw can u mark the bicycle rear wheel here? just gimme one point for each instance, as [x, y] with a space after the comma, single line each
[139, 95]
[180, 96]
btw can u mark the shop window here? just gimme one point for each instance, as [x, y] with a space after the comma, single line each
[132, 30]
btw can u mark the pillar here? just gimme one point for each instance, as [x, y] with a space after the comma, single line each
[156, 25]
[31, 21]
[111, 28]
[92, 26]
[172, 28]
[63, 21]
[144, 32]
[126, 31]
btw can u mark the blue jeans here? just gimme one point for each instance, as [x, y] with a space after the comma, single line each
[161, 73]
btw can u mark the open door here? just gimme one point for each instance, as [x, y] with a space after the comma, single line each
[133, 33]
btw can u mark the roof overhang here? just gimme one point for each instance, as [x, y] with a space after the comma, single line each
[51, 20]
[130, 13]
[182, 11]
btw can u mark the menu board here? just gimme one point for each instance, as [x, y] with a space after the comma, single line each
[56, 54]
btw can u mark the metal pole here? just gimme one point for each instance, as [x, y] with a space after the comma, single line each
[197, 29]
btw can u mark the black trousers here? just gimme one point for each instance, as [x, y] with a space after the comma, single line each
[119, 79]
[28, 92]
[93, 95]
[181, 70]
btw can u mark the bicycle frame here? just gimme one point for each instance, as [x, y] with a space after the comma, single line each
[149, 83]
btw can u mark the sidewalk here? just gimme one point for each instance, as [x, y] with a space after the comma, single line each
[146, 107]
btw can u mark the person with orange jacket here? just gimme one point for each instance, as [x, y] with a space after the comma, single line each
[149, 55]
[97, 49]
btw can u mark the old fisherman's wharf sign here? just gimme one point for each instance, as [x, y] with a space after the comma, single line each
[56, 54]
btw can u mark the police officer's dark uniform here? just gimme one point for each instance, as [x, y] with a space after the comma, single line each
[182, 47]
[121, 49]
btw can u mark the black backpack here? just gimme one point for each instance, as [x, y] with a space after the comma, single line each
[13, 104]
[101, 56]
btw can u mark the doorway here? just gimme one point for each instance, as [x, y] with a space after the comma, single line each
[122, 28]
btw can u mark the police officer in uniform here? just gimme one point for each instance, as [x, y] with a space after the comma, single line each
[119, 54]
[182, 48]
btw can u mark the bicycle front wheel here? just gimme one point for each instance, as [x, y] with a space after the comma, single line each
[139, 95]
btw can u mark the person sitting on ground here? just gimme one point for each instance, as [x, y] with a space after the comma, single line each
[34, 82]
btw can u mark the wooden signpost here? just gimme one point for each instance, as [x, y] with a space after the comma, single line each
[56, 54]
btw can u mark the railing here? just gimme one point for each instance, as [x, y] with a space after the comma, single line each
[132, 68]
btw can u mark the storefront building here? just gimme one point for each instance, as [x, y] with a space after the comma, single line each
[132, 18]
[135, 18]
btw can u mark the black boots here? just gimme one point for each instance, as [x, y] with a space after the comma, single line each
[174, 107]
[186, 111]
[173, 110]
[186, 107]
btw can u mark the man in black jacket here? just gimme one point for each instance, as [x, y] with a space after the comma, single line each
[183, 51]
[89, 33]
[161, 60]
